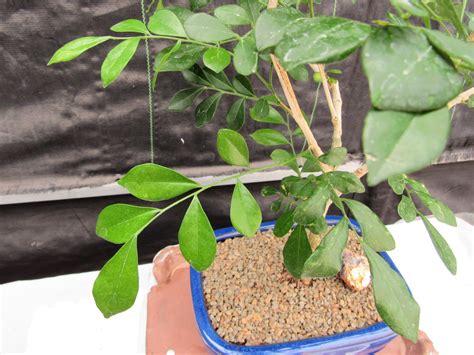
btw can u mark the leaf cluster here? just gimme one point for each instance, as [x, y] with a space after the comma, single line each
[413, 72]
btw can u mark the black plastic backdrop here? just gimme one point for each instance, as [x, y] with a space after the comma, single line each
[59, 129]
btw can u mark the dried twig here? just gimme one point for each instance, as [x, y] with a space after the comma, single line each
[295, 107]
[337, 119]
[361, 171]
[272, 4]
[334, 103]
[296, 111]
[461, 98]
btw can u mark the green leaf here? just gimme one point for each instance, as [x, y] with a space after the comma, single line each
[319, 226]
[284, 223]
[180, 59]
[296, 2]
[446, 10]
[236, 116]
[309, 210]
[268, 190]
[303, 188]
[232, 147]
[252, 7]
[153, 182]
[272, 99]
[206, 28]
[181, 13]
[297, 249]
[273, 116]
[393, 300]
[399, 142]
[272, 25]
[326, 260]
[405, 73]
[311, 164]
[75, 48]
[119, 223]
[131, 25]
[232, 15]
[117, 59]
[299, 73]
[184, 98]
[243, 85]
[288, 181]
[161, 61]
[374, 232]
[460, 52]
[337, 200]
[196, 237]
[246, 56]
[265, 57]
[245, 213]
[470, 102]
[317, 77]
[260, 110]
[197, 4]
[206, 110]
[441, 212]
[345, 182]
[397, 183]
[219, 80]
[471, 21]
[281, 156]
[442, 247]
[165, 22]
[276, 205]
[412, 7]
[268, 136]
[216, 59]
[417, 186]
[116, 286]
[334, 71]
[336, 156]
[320, 39]
[195, 75]
[406, 209]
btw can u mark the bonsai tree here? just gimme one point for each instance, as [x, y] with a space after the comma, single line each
[416, 75]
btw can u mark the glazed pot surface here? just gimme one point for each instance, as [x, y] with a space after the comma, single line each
[361, 341]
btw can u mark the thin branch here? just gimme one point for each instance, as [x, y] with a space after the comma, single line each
[319, 68]
[295, 107]
[296, 111]
[337, 120]
[334, 103]
[361, 171]
[461, 98]
[272, 4]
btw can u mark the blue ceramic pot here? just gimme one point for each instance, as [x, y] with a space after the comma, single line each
[361, 341]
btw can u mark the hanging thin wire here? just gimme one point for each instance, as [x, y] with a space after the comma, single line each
[150, 90]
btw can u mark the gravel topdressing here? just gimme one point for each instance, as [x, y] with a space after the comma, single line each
[253, 300]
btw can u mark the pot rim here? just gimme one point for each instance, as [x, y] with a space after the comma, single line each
[374, 333]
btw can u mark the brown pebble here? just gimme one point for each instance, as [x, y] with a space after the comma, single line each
[253, 300]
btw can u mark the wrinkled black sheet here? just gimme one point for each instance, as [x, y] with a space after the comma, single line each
[59, 130]
[53, 238]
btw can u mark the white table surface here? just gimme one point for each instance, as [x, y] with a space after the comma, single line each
[58, 316]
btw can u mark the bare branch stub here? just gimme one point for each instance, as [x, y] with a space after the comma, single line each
[461, 98]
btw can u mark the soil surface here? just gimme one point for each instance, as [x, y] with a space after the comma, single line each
[253, 300]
